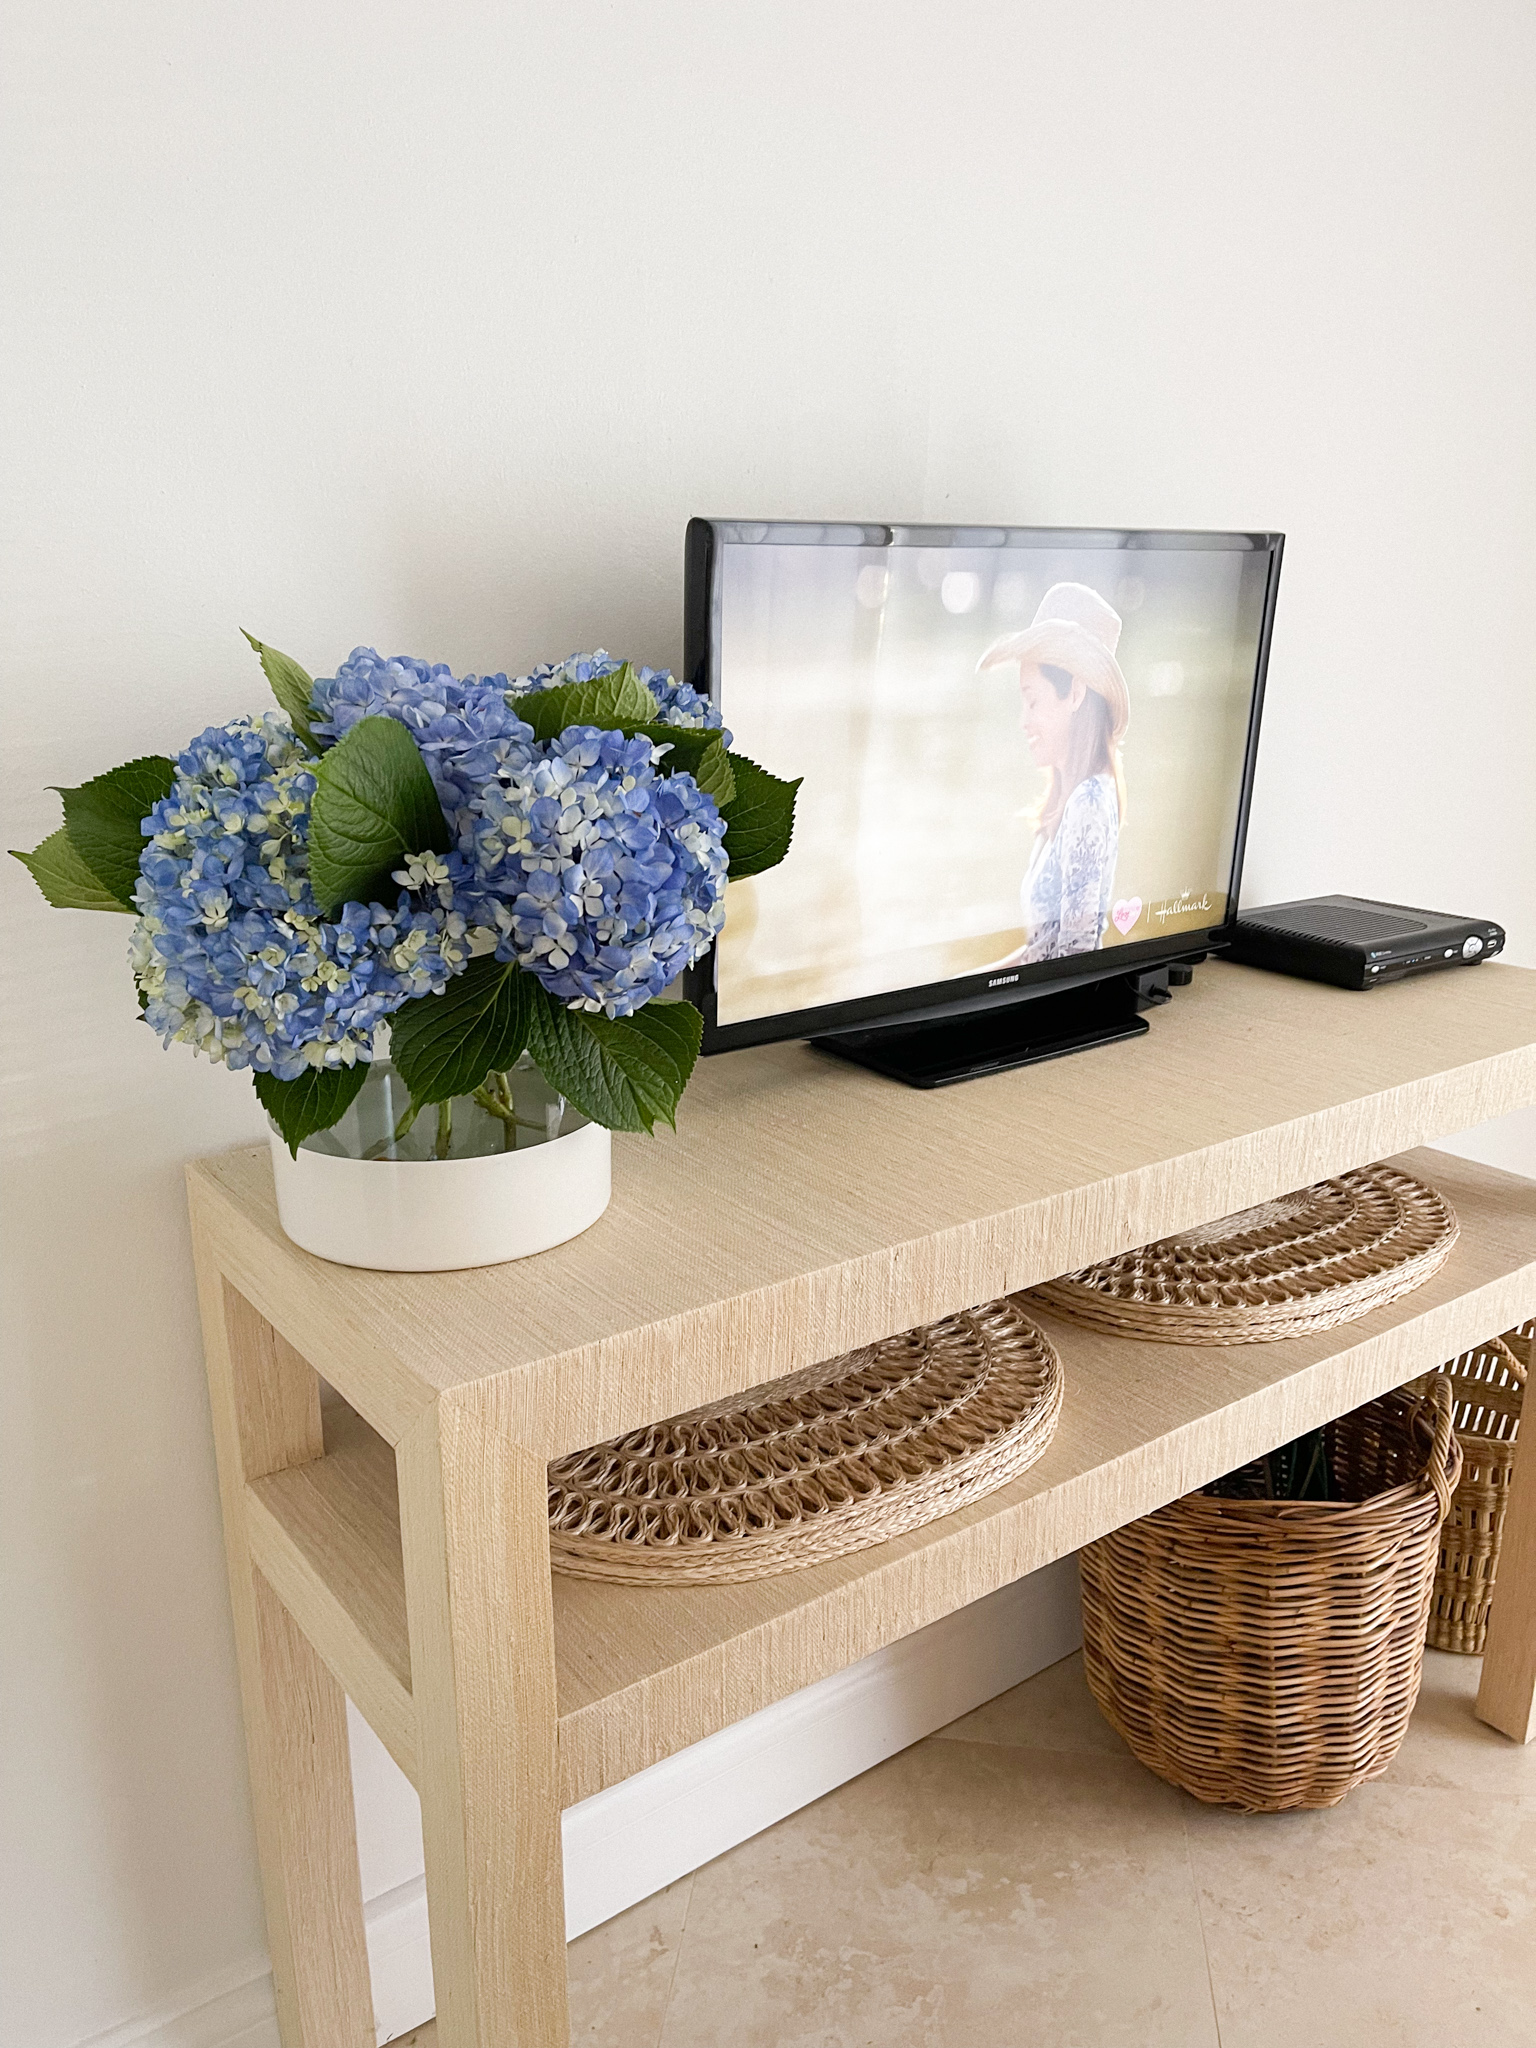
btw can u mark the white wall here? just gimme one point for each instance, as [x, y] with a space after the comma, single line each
[429, 327]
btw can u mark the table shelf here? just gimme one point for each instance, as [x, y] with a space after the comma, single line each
[326, 1534]
[644, 1670]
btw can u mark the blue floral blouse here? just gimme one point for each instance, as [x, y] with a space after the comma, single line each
[1071, 880]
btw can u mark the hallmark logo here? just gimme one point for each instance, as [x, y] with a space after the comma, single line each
[1186, 904]
[1001, 980]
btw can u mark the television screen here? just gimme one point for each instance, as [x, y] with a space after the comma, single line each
[1021, 748]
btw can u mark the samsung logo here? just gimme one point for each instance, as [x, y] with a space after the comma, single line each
[1001, 980]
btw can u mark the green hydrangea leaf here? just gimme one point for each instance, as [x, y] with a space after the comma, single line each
[616, 703]
[63, 876]
[291, 686]
[374, 803]
[759, 819]
[626, 1073]
[716, 774]
[675, 1031]
[700, 752]
[105, 821]
[313, 1103]
[445, 1045]
[544, 710]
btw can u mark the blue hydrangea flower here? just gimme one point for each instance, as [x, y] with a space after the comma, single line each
[464, 726]
[597, 873]
[576, 668]
[679, 703]
[230, 952]
[575, 857]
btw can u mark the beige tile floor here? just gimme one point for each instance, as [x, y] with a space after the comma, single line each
[1019, 1881]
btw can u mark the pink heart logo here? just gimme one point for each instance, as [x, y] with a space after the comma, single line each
[1125, 913]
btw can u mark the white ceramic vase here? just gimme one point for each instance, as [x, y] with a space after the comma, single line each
[423, 1214]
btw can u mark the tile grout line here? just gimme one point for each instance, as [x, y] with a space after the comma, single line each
[677, 1956]
[1205, 1946]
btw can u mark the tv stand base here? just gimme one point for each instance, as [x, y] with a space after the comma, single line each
[950, 1049]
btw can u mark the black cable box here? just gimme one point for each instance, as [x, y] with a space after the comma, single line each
[1357, 943]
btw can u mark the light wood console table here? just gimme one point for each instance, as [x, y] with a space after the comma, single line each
[400, 1554]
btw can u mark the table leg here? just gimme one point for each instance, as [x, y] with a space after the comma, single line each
[1506, 1698]
[475, 1536]
[266, 1417]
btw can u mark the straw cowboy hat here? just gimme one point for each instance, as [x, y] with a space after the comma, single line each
[1073, 629]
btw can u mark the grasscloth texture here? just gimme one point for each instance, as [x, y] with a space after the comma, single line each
[799, 1213]
[1488, 1386]
[644, 1669]
[1266, 1654]
[827, 1209]
[829, 1460]
[266, 1420]
[1305, 1261]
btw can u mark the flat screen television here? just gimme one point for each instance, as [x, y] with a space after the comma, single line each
[1027, 755]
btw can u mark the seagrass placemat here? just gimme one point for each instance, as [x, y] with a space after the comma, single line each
[837, 1457]
[1306, 1261]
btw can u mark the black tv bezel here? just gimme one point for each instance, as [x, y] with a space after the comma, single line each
[951, 998]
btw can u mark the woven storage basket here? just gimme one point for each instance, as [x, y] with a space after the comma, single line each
[832, 1459]
[1487, 1385]
[1267, 1654]
[1321, 1256]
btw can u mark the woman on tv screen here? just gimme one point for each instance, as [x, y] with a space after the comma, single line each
[1075, 712]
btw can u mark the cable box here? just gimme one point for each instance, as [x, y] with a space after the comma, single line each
[1356, 942]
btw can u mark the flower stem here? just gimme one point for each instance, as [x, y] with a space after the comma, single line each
[494, 1096]
[485, 1098]
[444, 1129]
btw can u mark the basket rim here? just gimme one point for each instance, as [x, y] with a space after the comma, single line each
[1429, 1408]
[1462, 1382]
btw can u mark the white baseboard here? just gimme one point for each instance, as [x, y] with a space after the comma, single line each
[630, 1841]
[233, 2010]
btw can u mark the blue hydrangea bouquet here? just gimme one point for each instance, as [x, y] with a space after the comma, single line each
[495, 868]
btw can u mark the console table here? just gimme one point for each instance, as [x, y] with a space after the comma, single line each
[396, 1550]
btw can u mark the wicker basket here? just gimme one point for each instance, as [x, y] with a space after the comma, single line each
[1267, 1654]
[1306, 1261]
[1488, 1385]
[832, 1459]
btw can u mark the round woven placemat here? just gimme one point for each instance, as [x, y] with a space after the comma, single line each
[1322, 1256]
[831, 1459]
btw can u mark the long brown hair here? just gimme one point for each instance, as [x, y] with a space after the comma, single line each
[1091, 750]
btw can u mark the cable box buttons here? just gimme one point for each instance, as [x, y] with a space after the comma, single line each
[1356, 942]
